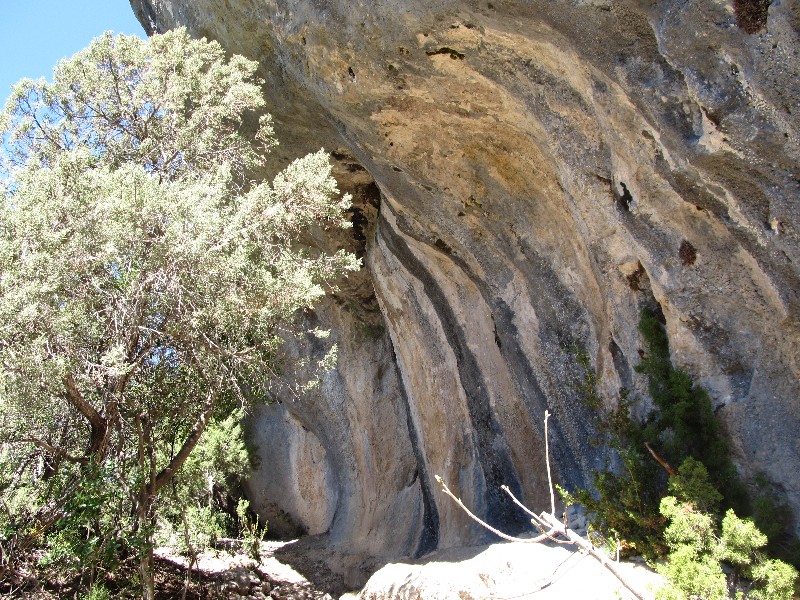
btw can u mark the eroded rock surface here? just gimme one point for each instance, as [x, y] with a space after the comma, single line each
[527, 176]
[508, 570]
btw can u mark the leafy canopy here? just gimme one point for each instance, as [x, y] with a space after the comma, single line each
[146, 281]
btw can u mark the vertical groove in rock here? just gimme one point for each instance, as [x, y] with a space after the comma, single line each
[496, 465]
[429, 537]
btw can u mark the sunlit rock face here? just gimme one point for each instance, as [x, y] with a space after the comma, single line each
[527, 176]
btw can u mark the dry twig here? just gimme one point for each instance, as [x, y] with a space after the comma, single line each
[549, 520]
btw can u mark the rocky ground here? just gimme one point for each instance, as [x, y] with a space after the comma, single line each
[509, 570]
[289, 570]
[286, 571]
[300, 570]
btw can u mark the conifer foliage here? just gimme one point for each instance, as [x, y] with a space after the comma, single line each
[146, 283]
[673, 479]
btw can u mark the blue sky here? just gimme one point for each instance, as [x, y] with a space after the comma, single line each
[36, 34]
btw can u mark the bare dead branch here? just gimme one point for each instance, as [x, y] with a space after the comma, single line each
[549, 520]
[591, 550]
[537, 520]
[547, 461]
[484, 524]
[660, 460]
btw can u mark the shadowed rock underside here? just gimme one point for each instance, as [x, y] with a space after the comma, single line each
[527, 176]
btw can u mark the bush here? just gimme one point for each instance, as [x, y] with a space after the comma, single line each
[694, 568]
[684, 424]
[690, 569]
[676, 516]
[252, 533]
[98, 592]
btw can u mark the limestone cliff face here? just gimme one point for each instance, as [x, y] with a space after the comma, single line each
[527, 176]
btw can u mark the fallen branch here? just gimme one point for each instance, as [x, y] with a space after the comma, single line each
[547, 462]
[549, 520]
[537, 520]
[497, 532]
[592, 551]
[556, 528]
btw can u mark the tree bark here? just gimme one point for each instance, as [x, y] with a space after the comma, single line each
[146, 563]
[188, 445]
[152, 482]
[98, 425]
[144, 525]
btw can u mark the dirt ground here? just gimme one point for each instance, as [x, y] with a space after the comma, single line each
[286, 571]
[298, 570]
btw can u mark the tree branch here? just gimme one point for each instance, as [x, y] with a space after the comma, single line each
[660, 460]
[589, 548]
[99, 425]
[536, 520]
[188, 445]
[53, 450]
[74, 396]
[135, 364]
[484, 524]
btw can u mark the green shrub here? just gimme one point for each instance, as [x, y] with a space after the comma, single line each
[682, 426]
[775, 580]
[251, 532]
[692, 485]
[698, 549]
[97, 592]
[684, 423]
[86, 540]
[690, 569]
[195, 514]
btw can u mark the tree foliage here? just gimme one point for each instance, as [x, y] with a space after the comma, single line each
[660, 512]
[682, 431]
[146, 282]
[684, 424]
[698, 548]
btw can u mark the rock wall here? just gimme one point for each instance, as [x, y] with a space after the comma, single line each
[527, 176]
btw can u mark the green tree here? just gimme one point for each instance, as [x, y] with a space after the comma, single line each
[146, 281]
[698, 547]
[684, 424]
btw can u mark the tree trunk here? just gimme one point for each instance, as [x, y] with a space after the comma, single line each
[166, 474]
[144, 509]
[146, 564]
[152, 481]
